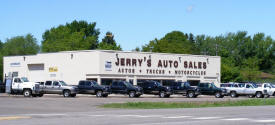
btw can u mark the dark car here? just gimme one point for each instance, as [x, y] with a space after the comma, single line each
[123, 87]
[184, 88]
[92, 87]
[211, 89]
[154, 87]
[2, 87]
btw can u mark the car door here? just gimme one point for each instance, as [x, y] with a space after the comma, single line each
[81, 87]
[47, 89]
[89, 87]
[114, 87]
[57, 89]
[16, 84]
[248, 89]
[203, 88]
[122, 87]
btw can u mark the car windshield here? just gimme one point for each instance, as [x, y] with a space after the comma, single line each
[254, 85]
[94, 83]
[187, 84]
[128, 84]
[24, 79]
[63, 83]
[213, 85]
[272, 85]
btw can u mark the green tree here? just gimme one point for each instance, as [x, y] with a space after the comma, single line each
[77, 35]
[173, 42]
[109, 43]
[19, 45]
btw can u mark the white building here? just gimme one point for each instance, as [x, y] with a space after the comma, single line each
[105, 66]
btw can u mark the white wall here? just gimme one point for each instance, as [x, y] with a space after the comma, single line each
[73, 66]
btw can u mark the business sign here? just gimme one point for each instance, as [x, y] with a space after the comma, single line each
[53, 69]
[159, 64]
[15, 64]
[108, 66]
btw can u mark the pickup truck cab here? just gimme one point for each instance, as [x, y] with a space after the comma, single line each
[92, 87]
[211, 89]
[123, 87]
[57, 87]
[21, 85]
[155, 88]
[184, 89]
[246, 89]
[270, 89]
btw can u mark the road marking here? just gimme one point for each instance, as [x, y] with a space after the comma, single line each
[264, 121]
[147, 116]
[205, 118]
[14, 117]
[235, 119]
[177, 117]
[97, 115]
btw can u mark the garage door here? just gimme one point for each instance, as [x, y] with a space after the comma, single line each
[36, 72]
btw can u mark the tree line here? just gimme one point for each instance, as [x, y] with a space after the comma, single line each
[244, 57]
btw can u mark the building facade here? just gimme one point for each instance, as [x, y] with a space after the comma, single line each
[104, 66]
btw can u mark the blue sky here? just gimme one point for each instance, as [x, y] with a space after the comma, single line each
[135, 23]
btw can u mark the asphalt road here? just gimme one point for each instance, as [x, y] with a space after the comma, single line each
[83, 110]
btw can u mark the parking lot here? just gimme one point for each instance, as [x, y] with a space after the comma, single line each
[83, 109]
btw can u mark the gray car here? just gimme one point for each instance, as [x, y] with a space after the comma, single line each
[57, 87]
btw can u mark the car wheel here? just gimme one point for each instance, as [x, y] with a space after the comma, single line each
[132, 94]
[218, 95]
[66, 93]
[161, 94]
[167, 96]
[190, 94]
[99, 94]
[27, 93]
[137, 96]
[233, 94]
[259, 95]
[73, 95]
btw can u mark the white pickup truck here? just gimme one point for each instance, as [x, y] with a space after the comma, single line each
[19, 86]
[246, 89]
[270, 89]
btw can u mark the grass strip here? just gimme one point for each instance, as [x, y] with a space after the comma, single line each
[163, 105]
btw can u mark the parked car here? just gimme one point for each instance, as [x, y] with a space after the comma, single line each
[21, 85]
[92, 87]
[211, 89]
[155, 88]
[123, 87]
[57, 87]
[185, 89]
[268, 89]
[246, 89]
[2, 87]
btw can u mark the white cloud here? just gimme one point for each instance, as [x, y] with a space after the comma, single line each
[190, 8]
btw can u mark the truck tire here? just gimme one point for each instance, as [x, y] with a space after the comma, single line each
[218, 95]
[27, 93]
[66, 93]
[99, 94]
[233, 94]
[190, 94]
[259, 95]
[132, 94]
[161, 94]
[137, 96]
